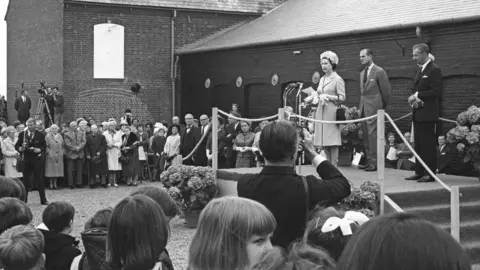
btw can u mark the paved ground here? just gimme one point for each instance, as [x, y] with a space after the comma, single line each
[394, 179]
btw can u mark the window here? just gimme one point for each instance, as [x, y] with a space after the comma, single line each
[108, 51]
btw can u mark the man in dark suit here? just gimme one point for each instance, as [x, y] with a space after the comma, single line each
[189, 138]
[233, 129]
[32, 143]
[375, 92]
[23, 104]
[427, 90]
[201, 156]
[223, 143]
[445, 154]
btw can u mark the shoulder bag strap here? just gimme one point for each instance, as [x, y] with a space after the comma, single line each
[307, 198]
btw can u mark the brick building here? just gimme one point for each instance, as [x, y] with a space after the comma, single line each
[94, 50]
[268, 46]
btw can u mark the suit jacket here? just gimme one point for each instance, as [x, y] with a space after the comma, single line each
[72, 141]
[188, 140]
[23, 108]
[429, 85]
[38, 141]
[59, 107]
[445, 156]
[375, 94]
[223, 143]
[233, 129]
[200, 155]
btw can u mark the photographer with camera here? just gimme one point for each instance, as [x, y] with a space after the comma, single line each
[282, 190]
[127, 117]
[48, 110]
[58, 106]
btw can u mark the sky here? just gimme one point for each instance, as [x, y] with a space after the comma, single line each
[3, 47]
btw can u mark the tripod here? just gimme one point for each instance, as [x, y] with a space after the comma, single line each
[40, 105]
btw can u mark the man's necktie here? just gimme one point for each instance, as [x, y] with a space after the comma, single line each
[365, 76]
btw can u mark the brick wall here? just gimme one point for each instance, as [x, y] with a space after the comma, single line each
[455, 47]
[34, 48]
[147, 59]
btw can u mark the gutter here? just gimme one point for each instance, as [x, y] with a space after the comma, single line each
[173, 62]
[79, 2]
[336, 34]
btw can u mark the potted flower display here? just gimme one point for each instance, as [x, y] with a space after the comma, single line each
[466, 138]
[365, 199]
[351, 136]
[192, 188]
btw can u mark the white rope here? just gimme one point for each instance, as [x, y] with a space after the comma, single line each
[400, 118]
[331, 122]
[448, 120]
[199, 142]
[416, 155]
[249, 120]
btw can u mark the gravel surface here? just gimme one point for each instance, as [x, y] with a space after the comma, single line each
[88, 201]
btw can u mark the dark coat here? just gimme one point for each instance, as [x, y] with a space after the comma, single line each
[429, 85]
[96, 143]
[94, 241]
[58, 101]
[201, 156]
[132, 168]
[188, 140]
[60, 250]
[282, 191]
[38, 141]
[23, 108]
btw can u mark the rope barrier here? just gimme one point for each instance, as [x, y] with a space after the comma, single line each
[331, 122]
[448, 120]
[205, 133]
[416, 155]
[248, 120]
[400, 118]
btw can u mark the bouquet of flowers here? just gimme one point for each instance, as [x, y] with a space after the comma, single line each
[191, 187]
[352, 132]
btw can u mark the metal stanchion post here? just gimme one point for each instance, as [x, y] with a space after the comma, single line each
[215, 140]
[281, 114]
[381, 157]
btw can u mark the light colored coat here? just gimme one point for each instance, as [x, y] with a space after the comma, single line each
[54, 156]
[74, 144]
[172, 147]
[9, 154]
[114, 142]
[329, 134]
[375, 95]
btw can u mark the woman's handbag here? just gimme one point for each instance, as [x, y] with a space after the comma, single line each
[341, 114]
[124, 159]
[20, 166]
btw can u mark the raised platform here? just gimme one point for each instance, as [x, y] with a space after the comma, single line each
[394, 179]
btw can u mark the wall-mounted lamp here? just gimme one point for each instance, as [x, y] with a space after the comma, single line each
[418, 31]
[297, 52]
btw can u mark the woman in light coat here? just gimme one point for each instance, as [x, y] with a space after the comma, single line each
[172, 146]
[10, 154]
[54, 156]
[114, 142]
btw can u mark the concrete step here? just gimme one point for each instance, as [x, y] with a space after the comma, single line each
[469, 231]
[440, 214]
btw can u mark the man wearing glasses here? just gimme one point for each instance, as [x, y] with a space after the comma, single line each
[200, 155]
[189, 137]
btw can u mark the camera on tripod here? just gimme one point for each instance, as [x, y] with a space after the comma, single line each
[43, 89]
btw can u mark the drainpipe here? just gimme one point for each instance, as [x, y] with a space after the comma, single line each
[173, 62]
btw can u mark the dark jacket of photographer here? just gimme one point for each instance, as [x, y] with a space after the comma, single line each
[282, 191]
[58, 102]
[50, 103]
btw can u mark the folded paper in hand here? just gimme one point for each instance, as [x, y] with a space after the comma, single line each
[356, 159]
[412, 159]
[392, 154]
[308, 90]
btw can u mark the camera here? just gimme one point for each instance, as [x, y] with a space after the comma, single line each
[43, 90]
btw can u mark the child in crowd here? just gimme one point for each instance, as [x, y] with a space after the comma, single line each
[137, 235]
[301, 256]
[14, 212]
[94, 240]
[60, 247]
[12, 187]
[232, 233]
[331, 232]
[21, 248]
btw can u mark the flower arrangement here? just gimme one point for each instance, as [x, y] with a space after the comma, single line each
[466, 136]
[364, 199]
[352, 132]
[191, 187]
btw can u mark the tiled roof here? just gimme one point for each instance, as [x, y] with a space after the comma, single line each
[306, 19]
[238, 6]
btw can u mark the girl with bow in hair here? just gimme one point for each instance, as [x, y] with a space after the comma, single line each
[331, 232]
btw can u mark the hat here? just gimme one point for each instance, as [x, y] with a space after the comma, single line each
[331, 56]
[123, 123]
